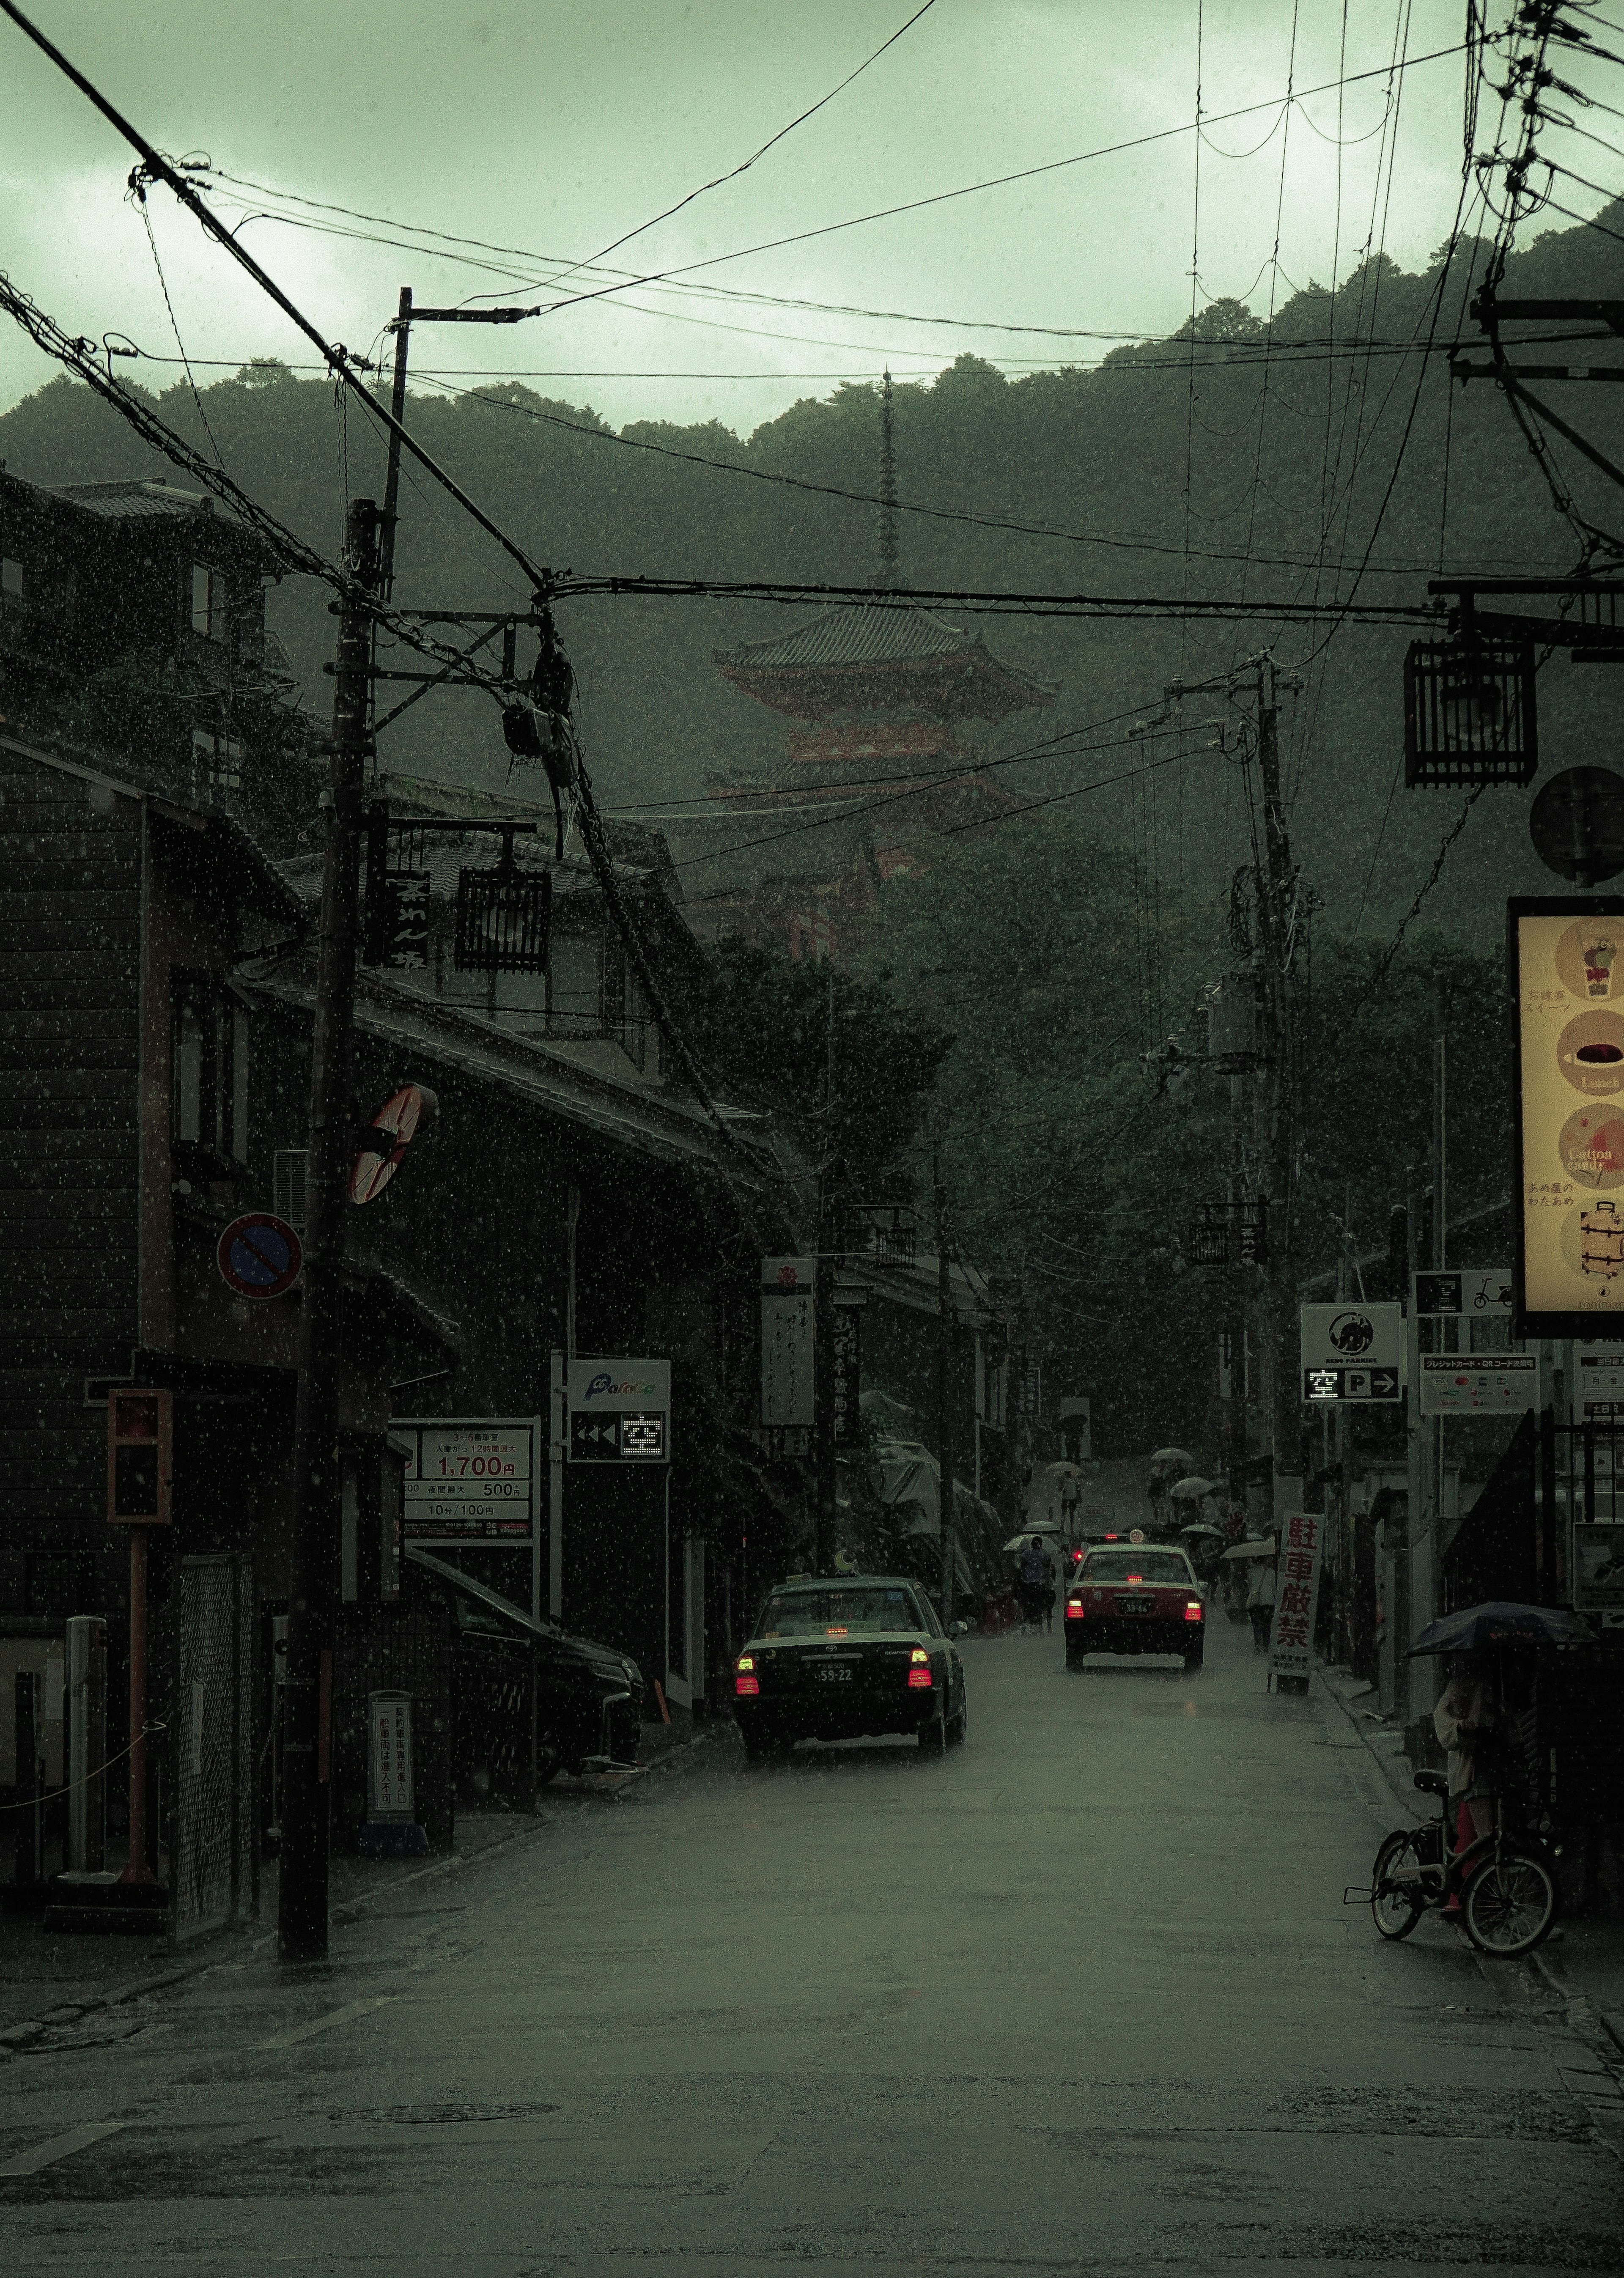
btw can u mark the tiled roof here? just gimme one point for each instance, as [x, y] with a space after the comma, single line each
[130, 501]
[873, 633]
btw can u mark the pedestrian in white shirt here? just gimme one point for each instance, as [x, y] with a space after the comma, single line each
[1260, 1600]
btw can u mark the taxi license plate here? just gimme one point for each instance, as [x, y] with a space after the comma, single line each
[1136, 1605]
[833, 1677]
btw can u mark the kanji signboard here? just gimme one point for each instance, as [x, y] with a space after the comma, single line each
[1291, 1638]
[1353, 1351]
[469, 1479]
[787, 1341]
[1566, 963]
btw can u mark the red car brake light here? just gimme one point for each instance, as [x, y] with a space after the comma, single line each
[1193, 1609]
[920, 1680]
[1075, 1610]
[747, 1685]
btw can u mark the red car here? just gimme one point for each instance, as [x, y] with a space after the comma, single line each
[1128, 1597]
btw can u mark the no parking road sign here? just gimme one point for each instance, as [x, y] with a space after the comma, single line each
[259, 1256]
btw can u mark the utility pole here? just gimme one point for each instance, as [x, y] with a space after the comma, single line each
[1278, 913]
[947, 1324]
[392, 479]
[1235, 1414]
[1277, 906]
[830, 1217]
[301, 1909]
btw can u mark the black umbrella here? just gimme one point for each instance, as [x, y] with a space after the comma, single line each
[1498, 1623]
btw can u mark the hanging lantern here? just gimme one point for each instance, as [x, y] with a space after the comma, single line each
[503, 919]
[1469, 712]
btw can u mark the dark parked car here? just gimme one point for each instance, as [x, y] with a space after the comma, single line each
[856, 1658]
[1128, 1597]
[588, 1696]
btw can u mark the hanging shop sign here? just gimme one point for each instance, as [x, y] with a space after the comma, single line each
[620, 1411]
[1566, 968]
[259, 1256]
[1478, 1384]
[848, 1358]
[469, 1480]
[1291, 1636]
[1353, 1351]
[788, 1340]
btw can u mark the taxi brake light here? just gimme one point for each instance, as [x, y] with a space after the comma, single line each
[746, 1685]
[1193, 1609]
[920, 1680]
[1133, 1577]
[1075, 1610]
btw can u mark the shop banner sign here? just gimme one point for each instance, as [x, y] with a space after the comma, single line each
[1478, 1384]
[787, 1341]
[1567, 964]
[1290, 1637]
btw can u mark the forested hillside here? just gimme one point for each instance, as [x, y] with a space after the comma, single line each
[1292, 444]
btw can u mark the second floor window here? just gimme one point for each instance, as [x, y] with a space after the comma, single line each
[210, 1068]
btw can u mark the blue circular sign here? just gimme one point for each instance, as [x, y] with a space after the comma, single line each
[259, 1256]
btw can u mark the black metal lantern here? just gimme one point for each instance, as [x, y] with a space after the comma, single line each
[1469, 712]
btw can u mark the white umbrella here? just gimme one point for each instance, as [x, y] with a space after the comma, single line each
[1032, 1534]
[1201, 1526]
[1165, 1458]
[1269, 1549]
[1192, 1490]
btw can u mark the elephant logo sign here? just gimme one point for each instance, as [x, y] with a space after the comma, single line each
[1352, 1334]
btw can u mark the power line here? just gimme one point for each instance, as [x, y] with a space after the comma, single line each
[569, 586]
[771, 143]
[858, 498]
[994, 183]
[338, 359]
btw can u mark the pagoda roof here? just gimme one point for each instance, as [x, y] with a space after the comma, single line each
[882, 656]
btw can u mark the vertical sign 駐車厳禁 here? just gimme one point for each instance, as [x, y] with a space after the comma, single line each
[1291, 1641]
[1566, 969]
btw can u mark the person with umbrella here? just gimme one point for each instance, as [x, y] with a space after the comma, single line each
[1464, 1720]
[1261, 1590]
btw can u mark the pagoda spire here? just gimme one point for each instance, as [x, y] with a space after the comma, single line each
[886, 576]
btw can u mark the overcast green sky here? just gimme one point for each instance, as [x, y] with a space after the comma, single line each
[555, 125]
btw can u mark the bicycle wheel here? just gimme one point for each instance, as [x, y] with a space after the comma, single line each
[1395, 1907]
[1510, 1904]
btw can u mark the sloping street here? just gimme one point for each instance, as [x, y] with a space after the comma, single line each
[1083, 1996]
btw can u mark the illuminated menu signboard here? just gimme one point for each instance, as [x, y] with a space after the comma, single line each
[1567, 961]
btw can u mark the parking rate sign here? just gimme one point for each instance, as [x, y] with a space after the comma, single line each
[1290, 1637]
[469, 1479]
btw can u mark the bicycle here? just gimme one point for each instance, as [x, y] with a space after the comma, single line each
[1506, 1896]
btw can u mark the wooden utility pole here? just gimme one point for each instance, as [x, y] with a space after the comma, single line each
[947, 1340]
[1278, 914]
[301, 1909]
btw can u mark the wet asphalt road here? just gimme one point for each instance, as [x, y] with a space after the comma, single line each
[1082, 1998]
